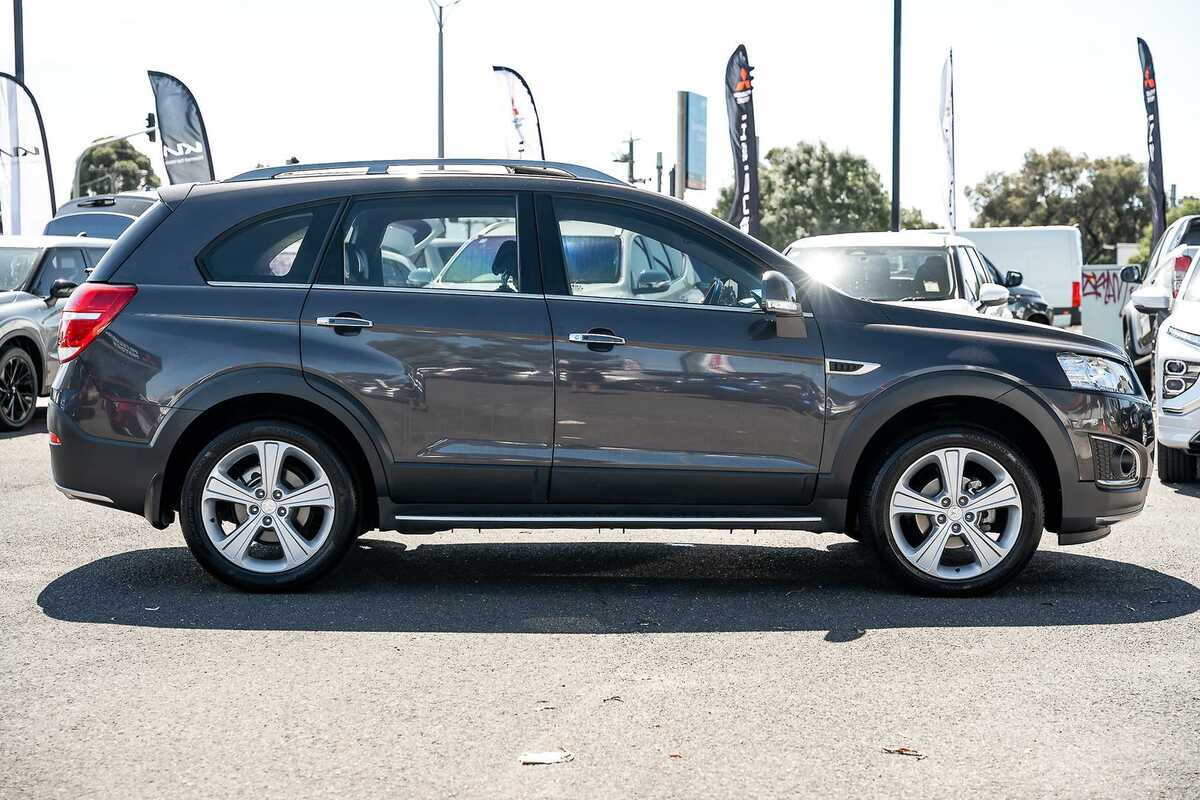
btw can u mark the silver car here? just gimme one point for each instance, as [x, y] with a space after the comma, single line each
[37, 273]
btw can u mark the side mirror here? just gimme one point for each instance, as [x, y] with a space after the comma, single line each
[652, 280]
[1152, 300]
[778, 295]
[1132, 273]
[1013, 278]
[992, 294]
[420, 277]
[62, 288]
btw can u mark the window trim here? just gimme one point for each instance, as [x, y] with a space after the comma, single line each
[340, 206]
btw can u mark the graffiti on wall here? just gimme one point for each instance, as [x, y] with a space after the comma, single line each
[1106, 286]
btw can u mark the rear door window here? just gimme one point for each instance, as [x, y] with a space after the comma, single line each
[281, 248]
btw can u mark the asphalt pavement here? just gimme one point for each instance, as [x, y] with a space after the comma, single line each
[667, 663]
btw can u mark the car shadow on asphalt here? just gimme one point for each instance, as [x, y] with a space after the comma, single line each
[35, 426]
[606, 587]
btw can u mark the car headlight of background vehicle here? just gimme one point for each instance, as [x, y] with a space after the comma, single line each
[1096, 373]
[1180, 375]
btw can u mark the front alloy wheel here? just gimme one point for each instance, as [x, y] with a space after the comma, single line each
[18, 389]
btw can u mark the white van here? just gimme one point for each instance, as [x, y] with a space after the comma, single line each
[1050, 257]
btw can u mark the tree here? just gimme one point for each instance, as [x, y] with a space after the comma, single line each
[809, 190]
[1104, 197]
[115, 167]
[911, 219]
[1188, 206]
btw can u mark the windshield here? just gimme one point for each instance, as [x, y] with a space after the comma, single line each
[880, 273]
[16, 263]
[592, 259]
[98, 225]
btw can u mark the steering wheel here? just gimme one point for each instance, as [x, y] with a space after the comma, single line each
[712, 296]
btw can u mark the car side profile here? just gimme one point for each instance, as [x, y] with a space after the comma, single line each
[938, 271]
[1169, 262]
[281, 413]
[37, 273]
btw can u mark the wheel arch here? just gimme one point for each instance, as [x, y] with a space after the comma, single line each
[28, 340]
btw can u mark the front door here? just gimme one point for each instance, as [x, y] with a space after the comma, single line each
[59, 263]
[454, 365]
[673, 388]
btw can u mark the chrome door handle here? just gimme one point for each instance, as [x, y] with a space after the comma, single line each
[344, 322]
[594, 338]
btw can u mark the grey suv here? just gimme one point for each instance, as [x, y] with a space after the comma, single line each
[36, 274]
[243, 358]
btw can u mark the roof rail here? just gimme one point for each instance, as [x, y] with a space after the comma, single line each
[555, 169]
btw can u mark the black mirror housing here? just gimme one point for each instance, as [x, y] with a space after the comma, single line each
[1132, 273]
[62, 288]
[1013, 278]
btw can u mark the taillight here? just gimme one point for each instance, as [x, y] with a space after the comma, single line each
[88, 312]
[1076, 295]
[1181, 267]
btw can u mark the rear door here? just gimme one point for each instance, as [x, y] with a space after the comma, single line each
[455, 368]
[663, 399]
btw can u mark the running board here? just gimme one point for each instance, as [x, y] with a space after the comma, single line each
[676, 522]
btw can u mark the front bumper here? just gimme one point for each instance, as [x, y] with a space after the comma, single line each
[1178, 418]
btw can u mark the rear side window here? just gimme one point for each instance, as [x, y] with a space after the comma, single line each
[281, 248]
[130, 240]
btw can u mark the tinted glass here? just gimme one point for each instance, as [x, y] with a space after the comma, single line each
[98, 226]
[16, 264]
[433, 242]
[884, 274]
[1192, 235]
[611, 250]
[278, 249]
[60, 263]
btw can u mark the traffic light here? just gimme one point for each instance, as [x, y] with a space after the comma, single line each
[151, 128]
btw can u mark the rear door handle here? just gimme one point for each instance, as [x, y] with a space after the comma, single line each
[595, 338]
[344, 322]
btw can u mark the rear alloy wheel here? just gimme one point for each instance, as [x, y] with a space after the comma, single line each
[268, 506]
[954, 512]
[18, 389]
[1176, 466]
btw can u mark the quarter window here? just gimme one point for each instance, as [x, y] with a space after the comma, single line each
[279, 249]
[448, 242]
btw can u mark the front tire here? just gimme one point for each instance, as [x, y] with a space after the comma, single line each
[1176, 466]
[18, 389]
[269, 506]
[954, 512]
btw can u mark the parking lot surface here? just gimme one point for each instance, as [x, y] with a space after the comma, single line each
[669, 664]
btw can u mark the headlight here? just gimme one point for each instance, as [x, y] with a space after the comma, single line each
[1095, 373]
[1184, 336]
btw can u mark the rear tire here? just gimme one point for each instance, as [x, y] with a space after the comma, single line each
[958, 540]
[18, 388]
[269, 506]
[1176, 466]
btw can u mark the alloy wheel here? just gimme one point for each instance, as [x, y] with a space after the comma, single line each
[18, 390]
[955, 513]
[268, 506]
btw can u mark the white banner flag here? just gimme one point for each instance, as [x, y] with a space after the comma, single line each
[26, 186]
[947, 121]
[525, 135]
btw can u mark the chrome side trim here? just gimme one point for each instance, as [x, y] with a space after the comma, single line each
[75, 494]
[253, 285]
[425, 290]
[864, 367]
[724, 522]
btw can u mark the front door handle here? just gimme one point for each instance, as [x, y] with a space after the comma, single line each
[595, 338]
[344, 322]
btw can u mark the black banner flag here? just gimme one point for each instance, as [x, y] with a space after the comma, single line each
[1154, 171]
[739, 102]
[184, 140]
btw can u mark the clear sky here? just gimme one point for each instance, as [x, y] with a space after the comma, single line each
[357, 78]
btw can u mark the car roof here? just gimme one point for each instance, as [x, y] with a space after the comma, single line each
[883, 239]
[54, 241]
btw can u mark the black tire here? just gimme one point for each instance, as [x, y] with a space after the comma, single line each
[341, 536]
[1176, 466]
[876, 527]
[18, 401]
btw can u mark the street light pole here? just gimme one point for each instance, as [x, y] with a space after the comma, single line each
[896, 117]
[18, 41]
[439, 8]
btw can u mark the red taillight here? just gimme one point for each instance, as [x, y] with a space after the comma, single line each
[1181, 267]
[1076, 295]
[54, 438]
[88, 312]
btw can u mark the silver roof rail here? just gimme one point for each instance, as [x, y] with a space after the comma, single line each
[554, 169]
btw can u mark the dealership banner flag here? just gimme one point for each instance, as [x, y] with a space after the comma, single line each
[26, 183]
[1154, 176]
[526, 132]
[739, 103]
[947, 120]
[184, 140]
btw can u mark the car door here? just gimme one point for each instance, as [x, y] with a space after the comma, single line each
[59, 263]
[1157, 274]
[457, 374]
[673, 401]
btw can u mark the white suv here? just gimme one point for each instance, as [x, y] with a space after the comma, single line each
[1176, 374]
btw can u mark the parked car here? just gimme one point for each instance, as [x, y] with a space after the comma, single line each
[1049, 257]
[102, 216]
[325, 404]
[1176, 370]
[1024, 302]
[932, 270]
[1170, 260]
[37, 273]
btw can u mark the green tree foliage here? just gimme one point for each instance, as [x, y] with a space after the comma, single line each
[1104, 197]
[1186, 207]
[809, 190]
[116, 167]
